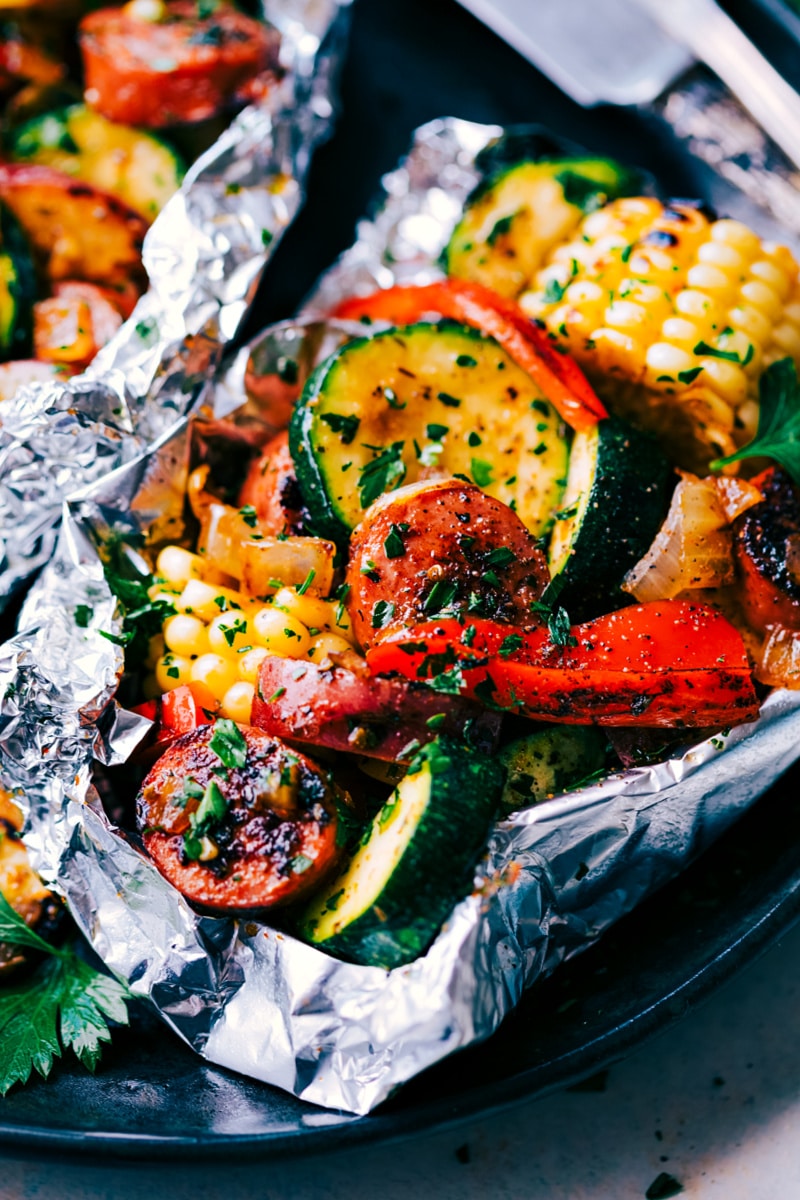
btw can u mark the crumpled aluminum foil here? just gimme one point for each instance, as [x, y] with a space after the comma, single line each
[203, 255]
[244, 995]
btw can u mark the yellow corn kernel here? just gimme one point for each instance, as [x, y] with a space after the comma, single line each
[697, 305]
[216, 672]
[155, 649]
[773, 276]
[787, 338]
[751, 322]
[705, 277]
[616, 351]
[205, 600]
[229, 631]
[583, 294]
[665, 359]
[791, 313]
[734, 233]
[159, 591]
[762, 297]
[726, 257]
[338, 621]
[250, 662]
[281, 633]
[727, 379]
[237, 703]
[177, 566]
[185, 635]
[309, 610]
[324, 645]
[172, 670]
[747, 419]
[625, 315]
[681, 332]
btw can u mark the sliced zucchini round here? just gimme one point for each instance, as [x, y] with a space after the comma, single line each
[18, 288]
[425, 401]
[519, 214]
[416, 862]
[138, 168]
[549, 761]
[617, 493]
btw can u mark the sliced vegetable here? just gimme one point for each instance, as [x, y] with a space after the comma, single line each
[271, 488]
[416, 863]
[75, 230]
[514, 218]
[778, 663]
[183, 67]
[616, 496]
[18, 288]
[418, 401]
[343, 708]
[173, 714]
[767, 548]
[670, 663]
[237, 821]
[560, 379]
[73, 324]
[693, 548]
[140, 170]
[443, 547]
[549, 761]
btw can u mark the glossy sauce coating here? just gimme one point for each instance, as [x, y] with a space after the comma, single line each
[767, 547]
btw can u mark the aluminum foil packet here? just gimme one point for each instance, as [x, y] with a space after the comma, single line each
[247, 996]
[203, 255]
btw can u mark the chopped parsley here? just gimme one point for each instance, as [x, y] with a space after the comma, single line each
[345, 425]
[383, 473]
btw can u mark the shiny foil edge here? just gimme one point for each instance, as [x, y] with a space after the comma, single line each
[204, 255]
[247, 996]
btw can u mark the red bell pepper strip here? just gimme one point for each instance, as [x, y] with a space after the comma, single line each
[175, 713]
[561, 379]
[670, 663]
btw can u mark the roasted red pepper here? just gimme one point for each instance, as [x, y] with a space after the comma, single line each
[670, 663]
[175, 713]
[561, 379]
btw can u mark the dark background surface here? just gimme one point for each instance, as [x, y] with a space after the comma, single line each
[411, 61]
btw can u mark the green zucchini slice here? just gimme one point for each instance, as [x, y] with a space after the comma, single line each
[18, 288]
[617, 494]
[425, 401]
[549, 761]
[416, 863]
[136, 167]
[513, 219]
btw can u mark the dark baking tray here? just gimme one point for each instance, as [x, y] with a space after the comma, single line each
[410, 61]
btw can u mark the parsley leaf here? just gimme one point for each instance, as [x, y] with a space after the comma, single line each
[383, 473]
[778, 434]
[341, 423]
[393, 546]
[440, 597]
[64, 1003]
[482, 472]
[558, 623]
[228, 743]
[382, 613]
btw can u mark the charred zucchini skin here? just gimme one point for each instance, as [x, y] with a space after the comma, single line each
[549, 761]
[387, 914]
[618, 489]
[416, 387]
[18, 288]
[138, 168]
[520, 212]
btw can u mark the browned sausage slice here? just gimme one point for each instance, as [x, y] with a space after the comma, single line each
[271, 488]
[237, 821]
[443, 547]
[767, 548]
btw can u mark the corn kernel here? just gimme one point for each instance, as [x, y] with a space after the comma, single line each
[281, 633]
[718, 254]
[185, 635]
[705, 277]
[584, 293]
[681, 332]
[177, 566]
[627, 316]
[324, 645]
[751, 322]
[747, 418]
[772, 276]
[727, 379]
[216, 672]
[338, 621]
[762, 297]
[250, 662]
[664, 359]
[173, 670]
[206, 601]
[309, 610]
[229, 631]
[734, 233]
[791, 312]
[787, 338]
[237, 702]
[702, 308]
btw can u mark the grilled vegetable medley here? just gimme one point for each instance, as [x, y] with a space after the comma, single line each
[550, 499]
[90, 153]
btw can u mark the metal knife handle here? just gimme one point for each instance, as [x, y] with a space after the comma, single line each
[717, 40]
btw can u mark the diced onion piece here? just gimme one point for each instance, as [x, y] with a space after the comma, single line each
[223, 530]
[736, 495]
[291, 562]
[779, 665]
[693, 549]
[199, 498]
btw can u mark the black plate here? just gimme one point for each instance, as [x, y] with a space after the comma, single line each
[412, 60]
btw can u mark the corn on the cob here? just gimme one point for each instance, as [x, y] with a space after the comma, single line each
[673, 316]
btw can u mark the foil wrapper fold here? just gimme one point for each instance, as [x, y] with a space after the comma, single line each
[203, 255]
[245, 995]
